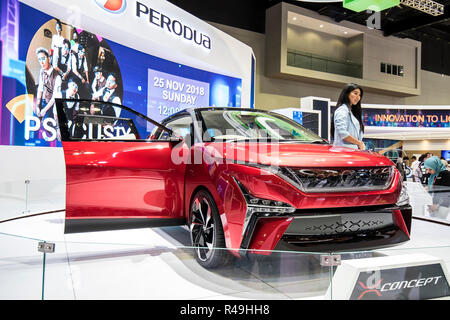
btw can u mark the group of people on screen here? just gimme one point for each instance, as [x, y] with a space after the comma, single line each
[64, 73]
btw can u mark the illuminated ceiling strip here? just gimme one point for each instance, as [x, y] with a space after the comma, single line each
[428, 6]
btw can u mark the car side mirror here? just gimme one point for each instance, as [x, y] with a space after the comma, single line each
[175, 138]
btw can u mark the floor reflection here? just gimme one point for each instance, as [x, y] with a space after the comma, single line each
[278, 275]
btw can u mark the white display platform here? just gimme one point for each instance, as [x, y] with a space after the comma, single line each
[125, 264]
[141, 264]
[152, 264]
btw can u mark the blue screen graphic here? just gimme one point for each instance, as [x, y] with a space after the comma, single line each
[158, 87]
[446, 154]
[148, 84]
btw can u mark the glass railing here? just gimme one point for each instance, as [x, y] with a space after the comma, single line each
[160, 264]
[431, 205]
[143, 271]
[22, 267]
[27, 196]
[310, 61]
[434, 205]
[39, 261]
[144, 264]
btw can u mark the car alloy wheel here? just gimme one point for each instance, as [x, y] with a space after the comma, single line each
[206, 231]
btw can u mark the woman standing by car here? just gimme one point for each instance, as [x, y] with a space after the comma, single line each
[439, 185]
[347, 126]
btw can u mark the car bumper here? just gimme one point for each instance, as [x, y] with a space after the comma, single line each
[330, 230]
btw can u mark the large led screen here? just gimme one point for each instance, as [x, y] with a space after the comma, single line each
[44, 58]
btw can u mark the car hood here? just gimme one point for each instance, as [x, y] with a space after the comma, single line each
[295, 154]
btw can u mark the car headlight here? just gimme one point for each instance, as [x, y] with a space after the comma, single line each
[257, 207]
[255, 204]
[403, 198]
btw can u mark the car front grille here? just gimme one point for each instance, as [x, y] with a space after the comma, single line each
[315, 180]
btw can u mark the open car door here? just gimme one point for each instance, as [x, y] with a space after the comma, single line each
[119, 171]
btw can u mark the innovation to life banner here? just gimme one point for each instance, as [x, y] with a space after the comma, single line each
[404, 118]
[410, 118]
[44, 58]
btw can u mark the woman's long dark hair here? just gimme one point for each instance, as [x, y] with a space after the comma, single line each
[356, 109]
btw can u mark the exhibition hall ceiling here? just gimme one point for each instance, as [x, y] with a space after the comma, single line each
[400, 21]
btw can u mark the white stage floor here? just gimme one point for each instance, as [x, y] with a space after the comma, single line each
[157, 264]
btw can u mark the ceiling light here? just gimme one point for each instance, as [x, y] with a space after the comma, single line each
[427, 6]
[294, 18]
[321, 26]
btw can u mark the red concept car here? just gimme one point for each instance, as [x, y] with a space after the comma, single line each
[241, 179]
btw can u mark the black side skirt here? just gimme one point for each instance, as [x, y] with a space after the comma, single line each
[90, 225]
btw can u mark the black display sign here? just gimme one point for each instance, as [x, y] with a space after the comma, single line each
[406, 283]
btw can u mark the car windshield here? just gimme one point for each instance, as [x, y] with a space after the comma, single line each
[97, 120]
[253, 125]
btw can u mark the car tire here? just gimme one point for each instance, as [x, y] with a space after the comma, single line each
[206, 231]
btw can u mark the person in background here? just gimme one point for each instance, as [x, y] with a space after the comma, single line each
[406, 161]
[99, 82]
[413, 162]
[74, 43]
[108, 94]
[347, 126]
[49, 86]
[57, 39]
[62, 62]
[417, 170]
[81, 72]
[401, 167]
[71, 107]
[439, 186]
[425, 173]
[444, 162]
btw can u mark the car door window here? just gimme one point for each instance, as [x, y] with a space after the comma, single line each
[100, 121]
[181, 126]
